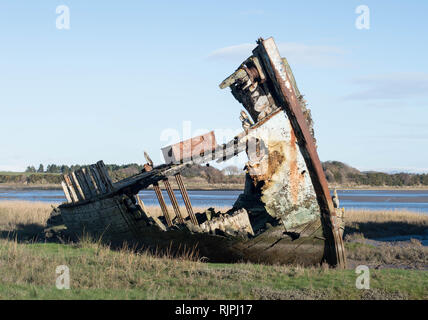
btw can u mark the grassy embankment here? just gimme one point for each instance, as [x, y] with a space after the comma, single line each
[51, 181]
[27, 267]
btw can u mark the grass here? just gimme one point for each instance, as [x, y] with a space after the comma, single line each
[96, 272]
[378, 224]
[27, 268]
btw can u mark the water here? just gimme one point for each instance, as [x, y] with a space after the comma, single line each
[411, 200]
[356, 199]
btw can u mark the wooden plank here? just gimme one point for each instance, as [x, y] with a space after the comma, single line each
[155, 219]
[83, 184]
[66, 192]
[77, 187]
[173, 200]
[190, 149]
[95, 174]
[70, 186]
[89, 182]
[186, 199]
[162, 204]
[102, 170]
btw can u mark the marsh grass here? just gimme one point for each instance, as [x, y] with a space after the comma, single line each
[98, 272]
[378, 224]
[382, 216]
[14, 213]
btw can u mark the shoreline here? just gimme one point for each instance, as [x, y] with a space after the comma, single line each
[213, 187]
[219, 187]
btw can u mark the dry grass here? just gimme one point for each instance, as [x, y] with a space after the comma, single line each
[362, 225]
[359, 216]
[98, 272]
[378, 224]
[15, 214]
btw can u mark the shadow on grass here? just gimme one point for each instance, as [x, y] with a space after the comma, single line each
[24, 233]
[385, 229]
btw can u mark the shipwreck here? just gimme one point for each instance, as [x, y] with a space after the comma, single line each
[285, 213]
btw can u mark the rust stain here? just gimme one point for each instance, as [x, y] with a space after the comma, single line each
[295, 176]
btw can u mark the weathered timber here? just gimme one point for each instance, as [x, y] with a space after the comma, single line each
[274, 64]
[70, 186]
[190, 149]
[186, 199]
[284, 214]
[66, 191]
[162, 204]
[76, 185]
[173, 201]
[89, 182]
[83, 184]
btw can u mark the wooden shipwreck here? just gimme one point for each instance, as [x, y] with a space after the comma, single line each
[285, 213]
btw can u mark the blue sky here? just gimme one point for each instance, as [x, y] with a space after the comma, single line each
[126, 71]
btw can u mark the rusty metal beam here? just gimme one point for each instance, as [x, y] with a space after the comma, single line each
[162, 204]
[186, 199]
[273, 63]
[173, 200]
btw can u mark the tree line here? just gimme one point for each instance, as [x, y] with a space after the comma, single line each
[337, 173]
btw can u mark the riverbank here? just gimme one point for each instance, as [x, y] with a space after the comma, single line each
[197, 186]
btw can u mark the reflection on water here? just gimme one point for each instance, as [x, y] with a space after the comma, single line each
[358, 199]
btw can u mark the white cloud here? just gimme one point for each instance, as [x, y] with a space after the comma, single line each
[296, 53]
[393, 86]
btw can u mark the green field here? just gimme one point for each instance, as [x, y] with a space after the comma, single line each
[28, 265]
[97, 272]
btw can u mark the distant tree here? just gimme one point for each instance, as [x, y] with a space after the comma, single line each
[64, 169]
[41, 169]
[30, 169]
[53, 168]
[232, 171]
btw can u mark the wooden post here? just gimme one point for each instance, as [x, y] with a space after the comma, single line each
[89, 182]
[102, 170]
[77, 187]
[162, 204]
[70, 186]
[173, 200]
[83, 184]
[186, 199]
[97, 179]
[66, 192]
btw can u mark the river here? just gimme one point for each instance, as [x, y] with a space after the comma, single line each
[413, 200]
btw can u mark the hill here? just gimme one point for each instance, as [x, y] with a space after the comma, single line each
[341, 174]
[338, 174]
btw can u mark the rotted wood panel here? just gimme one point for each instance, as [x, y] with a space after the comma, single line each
[273, 63]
